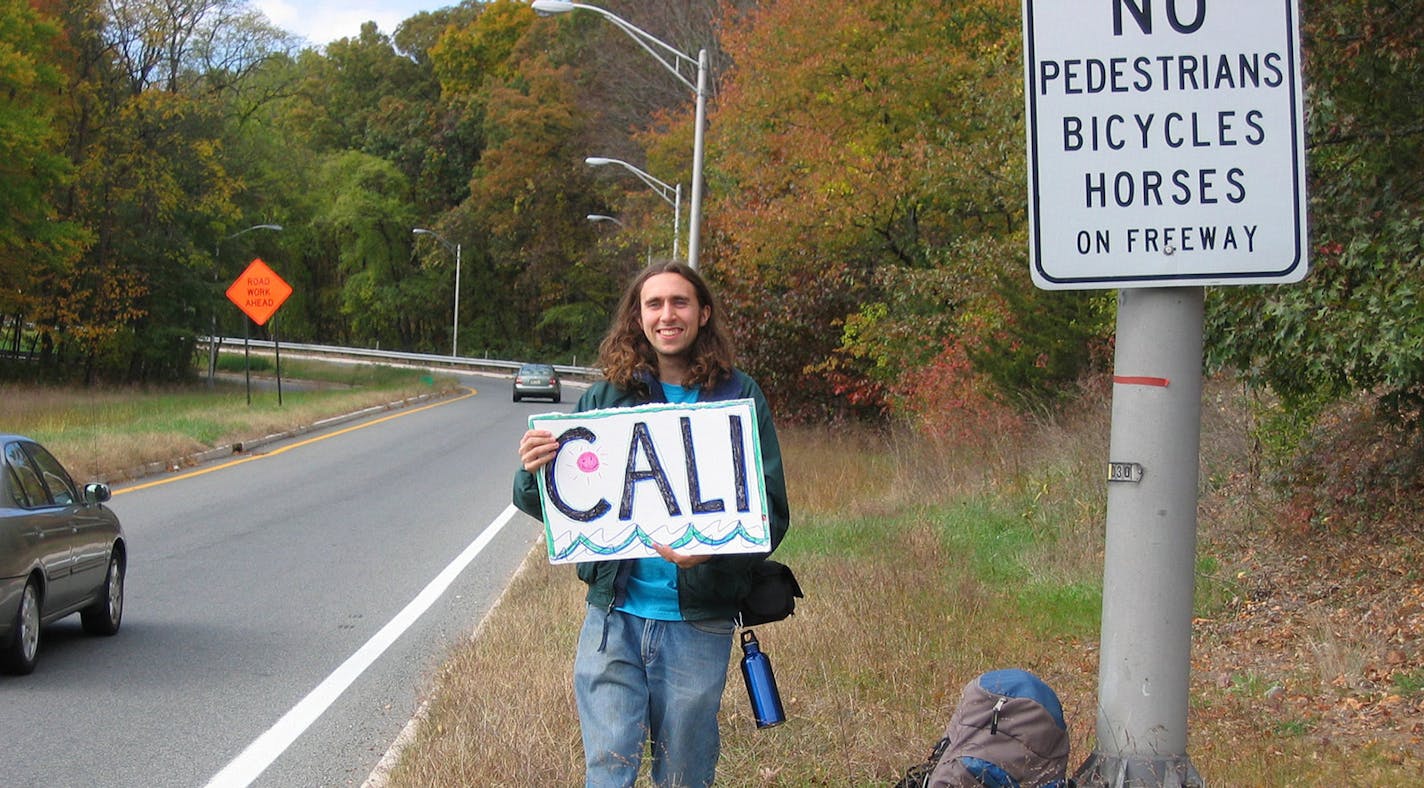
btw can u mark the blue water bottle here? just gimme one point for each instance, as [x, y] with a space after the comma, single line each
[761, 683]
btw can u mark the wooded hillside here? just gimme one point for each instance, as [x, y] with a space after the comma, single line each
[864, 214]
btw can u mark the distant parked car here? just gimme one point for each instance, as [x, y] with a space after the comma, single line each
[537, 380]
[61, 552]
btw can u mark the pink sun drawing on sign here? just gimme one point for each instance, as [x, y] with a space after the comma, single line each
[585, 469]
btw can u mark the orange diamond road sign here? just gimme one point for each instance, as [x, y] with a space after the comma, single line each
[258, 292]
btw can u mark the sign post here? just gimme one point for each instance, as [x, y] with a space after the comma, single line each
[1166, 153]
[258, 291]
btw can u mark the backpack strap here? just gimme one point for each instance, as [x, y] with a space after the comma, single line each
[918, 776]
[620, 592]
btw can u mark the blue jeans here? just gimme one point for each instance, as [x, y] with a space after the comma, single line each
[658, 681]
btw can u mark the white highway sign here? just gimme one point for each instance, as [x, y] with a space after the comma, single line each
[1165, 141]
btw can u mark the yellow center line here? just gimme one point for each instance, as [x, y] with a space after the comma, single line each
[469, 392]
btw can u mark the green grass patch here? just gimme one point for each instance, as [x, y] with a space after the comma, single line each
[1250, 684]
[1410, 683]
[851, 536]
[373, 375]
[1213, 590]
[236, 363]
[1071, 610]
[990, 540]
[1004, 549]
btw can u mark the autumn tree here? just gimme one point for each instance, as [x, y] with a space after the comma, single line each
[866, 171]
[143, 126]
[33, 247]
[548, 292]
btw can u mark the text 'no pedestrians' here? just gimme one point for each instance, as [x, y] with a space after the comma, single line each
[258, 291]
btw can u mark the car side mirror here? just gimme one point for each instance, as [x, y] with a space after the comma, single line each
[96, 493]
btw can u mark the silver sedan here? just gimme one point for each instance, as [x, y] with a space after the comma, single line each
[537, 380]
[61, 552]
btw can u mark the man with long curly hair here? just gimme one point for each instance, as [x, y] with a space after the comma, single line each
[653, 653]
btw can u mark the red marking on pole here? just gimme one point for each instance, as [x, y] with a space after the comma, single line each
[1140, 380]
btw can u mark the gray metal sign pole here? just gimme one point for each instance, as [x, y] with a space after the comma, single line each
[1151, 543]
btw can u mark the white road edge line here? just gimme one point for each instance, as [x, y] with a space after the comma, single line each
[380, 775]
[265, 749]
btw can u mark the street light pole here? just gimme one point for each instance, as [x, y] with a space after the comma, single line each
[669, 57]
[455, 322]
[694, 233]
[672, 195]
[213, 333]
[598, 217]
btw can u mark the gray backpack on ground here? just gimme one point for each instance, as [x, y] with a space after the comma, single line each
[1008, 731]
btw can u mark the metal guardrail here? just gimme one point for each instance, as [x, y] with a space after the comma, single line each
[429, 360]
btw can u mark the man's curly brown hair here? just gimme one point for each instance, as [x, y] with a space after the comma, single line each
[625, 351]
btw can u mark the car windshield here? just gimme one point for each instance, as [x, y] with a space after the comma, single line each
[536, 369]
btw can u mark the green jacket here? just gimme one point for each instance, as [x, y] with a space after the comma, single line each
[710, 589]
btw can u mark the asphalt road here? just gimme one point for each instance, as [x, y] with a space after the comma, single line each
[285, 609]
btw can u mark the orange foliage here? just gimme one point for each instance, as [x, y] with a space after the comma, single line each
[948, 400]
[850, 142]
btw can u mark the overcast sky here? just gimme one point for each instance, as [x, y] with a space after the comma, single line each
[323, 21]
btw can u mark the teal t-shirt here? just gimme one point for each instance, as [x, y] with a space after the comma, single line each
[652, 585]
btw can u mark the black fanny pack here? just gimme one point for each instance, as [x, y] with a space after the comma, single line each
[773, 594]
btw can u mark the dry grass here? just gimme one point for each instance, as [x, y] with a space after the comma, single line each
[894, 623]
[1302, 629]
[114, 433]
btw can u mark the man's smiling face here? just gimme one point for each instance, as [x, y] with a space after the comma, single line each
[671, 315]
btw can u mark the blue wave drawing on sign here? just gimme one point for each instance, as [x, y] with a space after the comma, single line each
[688, 537]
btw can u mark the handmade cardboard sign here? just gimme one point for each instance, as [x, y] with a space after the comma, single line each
[624, 479]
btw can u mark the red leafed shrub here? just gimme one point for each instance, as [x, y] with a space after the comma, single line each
[948, 400]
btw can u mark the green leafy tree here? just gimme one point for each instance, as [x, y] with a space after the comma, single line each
[1357, 322]
[385, 297]
[1043, 342]
[142, 121]
[154, 171]
[33, 169]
